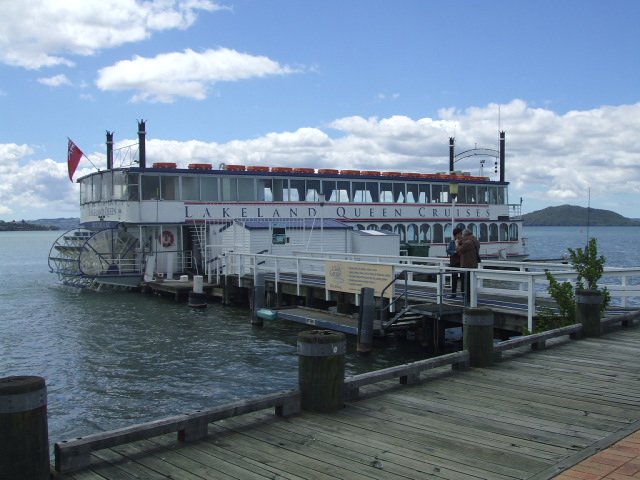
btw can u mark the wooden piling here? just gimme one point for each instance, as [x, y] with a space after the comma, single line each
[477, 336]
[365, 321]
[321, 370]
[588, 312]
[24, 434]
[257, 300]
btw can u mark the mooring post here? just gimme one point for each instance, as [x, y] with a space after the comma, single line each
[477, 336]
[365, 321]
[24, 433]
[197, 297]
[588, 311]
[321, 370]
[257, 300]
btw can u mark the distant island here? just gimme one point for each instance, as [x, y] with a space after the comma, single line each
[570, 216]
[39, 225]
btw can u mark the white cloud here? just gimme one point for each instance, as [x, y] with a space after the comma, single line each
[50, 32]
[184, 74]
[28, 186]
[550, 158]
[55, 81]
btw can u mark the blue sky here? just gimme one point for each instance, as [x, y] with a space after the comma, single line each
[345, 84]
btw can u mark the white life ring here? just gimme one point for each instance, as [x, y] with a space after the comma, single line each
[167, 239]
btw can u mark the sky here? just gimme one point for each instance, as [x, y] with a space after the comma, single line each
[349, 84]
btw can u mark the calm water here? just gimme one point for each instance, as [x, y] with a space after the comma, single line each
[112, 359]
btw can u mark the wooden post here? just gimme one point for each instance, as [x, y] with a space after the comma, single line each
[588, 303]
[24, 434]
[257, 300]
[477, 336]
[365, 321]
[321, 370]
[197, 297]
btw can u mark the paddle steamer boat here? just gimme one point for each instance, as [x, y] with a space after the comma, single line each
[165, 219]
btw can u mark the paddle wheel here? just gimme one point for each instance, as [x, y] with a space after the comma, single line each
[87, 258]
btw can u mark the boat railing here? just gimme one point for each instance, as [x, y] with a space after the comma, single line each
[524, 283]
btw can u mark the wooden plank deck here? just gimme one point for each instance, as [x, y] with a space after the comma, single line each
[528, 417]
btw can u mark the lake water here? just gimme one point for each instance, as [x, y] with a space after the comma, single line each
[111, 359]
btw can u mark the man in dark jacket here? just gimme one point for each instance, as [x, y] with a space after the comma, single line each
[469, 251]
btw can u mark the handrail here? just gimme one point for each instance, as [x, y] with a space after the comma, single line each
[74, 454]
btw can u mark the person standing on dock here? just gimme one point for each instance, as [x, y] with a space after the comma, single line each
[469, 251]
[454, 261]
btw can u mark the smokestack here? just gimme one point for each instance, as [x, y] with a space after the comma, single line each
[451, 151]
[502, 156]
[142, 152]
[109, 150]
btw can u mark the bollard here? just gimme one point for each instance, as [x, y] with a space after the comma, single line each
[477, 336]
[197, 297]
[588, 303]
[24, 437]
[321, 370]
[365, 321]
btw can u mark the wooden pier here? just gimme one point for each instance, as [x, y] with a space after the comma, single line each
[529, 416]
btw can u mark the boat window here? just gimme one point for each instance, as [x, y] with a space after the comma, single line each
[425, 193]
[386, 192]
[280, 189]
[329, 190]
[448, 229]
[190, 188]
[246, 189]
[502, 195]
[359, 192]
[386, 228]
[401, 230]
[437, 236]
[474, 229]
[483, 194]
[150, 185]
[373, 226]
[467, 194]
[313, 191]
[437, 193]
[372, 192]
[169, 187]
[107, 186]
[493, 232]
[229, 189]
[297, 190]
[119, 185]
[413, 194]
[133, 186]
[504, 232]
[265, 189]
[209, 189]
[360, 227]
[425, 233]
[513, 232]
[484, 233]
[279, 236]
[493, 195]
[412, 233]
[399, 195]
[343, 189]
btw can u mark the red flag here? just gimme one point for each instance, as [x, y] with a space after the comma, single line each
[74, 154]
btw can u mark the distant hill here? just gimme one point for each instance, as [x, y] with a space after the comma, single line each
[23, 226]
[570, 215]
[60, 223]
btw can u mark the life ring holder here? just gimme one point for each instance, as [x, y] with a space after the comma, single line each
[167, 239]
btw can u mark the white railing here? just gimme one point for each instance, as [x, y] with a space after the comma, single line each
[524, 285]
